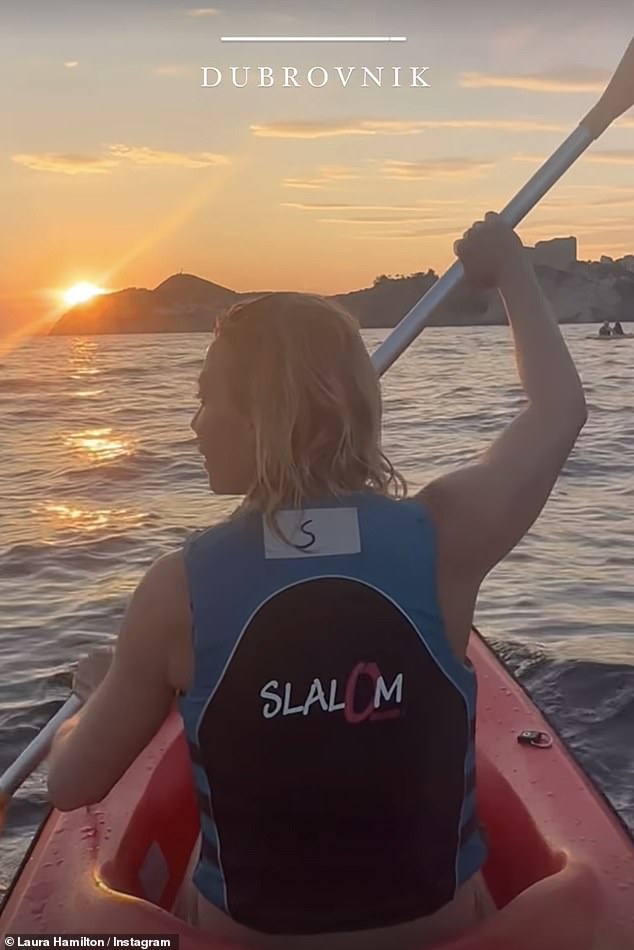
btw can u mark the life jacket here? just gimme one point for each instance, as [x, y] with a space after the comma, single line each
[330, 725]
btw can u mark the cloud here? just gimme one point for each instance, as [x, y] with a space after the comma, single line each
[197, 12]
[338, 172]
[532, 159]
[143, 155]
[614, 157]
[490, 125]
[567, 80]
[327, 174]
[344, 206]
[329, 128]
[71, 164]
[65, 164]
[390, 219]
[308, 130]
[71, 63]
[415, 233]
[623, 197]
[435, 168]
[580, 199]
[578, 229]
[303, 183]
[626, 199]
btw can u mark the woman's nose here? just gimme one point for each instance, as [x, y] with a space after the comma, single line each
[194, 422]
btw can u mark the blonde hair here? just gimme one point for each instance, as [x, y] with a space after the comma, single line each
[301, 373]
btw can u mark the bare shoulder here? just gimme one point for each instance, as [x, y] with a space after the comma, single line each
[163, 588]
[446, 501]
[159, 615]
[471, 520]
[456, 589]
[167, 569]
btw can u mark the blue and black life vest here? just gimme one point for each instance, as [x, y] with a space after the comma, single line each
[330, 725]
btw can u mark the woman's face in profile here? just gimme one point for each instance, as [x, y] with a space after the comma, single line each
[224, 432]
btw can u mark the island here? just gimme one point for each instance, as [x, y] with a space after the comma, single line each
[578, 291]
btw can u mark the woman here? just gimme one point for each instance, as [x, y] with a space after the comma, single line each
[316, 639]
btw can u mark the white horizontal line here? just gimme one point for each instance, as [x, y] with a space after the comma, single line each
[313, 39]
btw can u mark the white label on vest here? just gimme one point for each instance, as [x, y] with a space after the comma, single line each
[315, 532]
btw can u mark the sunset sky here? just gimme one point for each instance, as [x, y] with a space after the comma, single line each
[117, 168]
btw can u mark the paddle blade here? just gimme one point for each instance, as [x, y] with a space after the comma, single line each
[617, 98]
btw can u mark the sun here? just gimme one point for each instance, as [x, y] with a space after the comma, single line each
[80, 293]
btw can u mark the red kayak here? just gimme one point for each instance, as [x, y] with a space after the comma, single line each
[561, 865]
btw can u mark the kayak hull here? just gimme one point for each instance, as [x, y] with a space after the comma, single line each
[561, 865]
[616, 336]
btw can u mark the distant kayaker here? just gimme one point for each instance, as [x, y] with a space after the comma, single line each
[315, 639]
[604, 329]
[617, 329]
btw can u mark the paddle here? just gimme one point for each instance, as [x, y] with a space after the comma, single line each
[617, 98]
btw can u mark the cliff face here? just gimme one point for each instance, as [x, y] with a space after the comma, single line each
[586, 292]
[559, 253]
[182, 303]
[387, 302]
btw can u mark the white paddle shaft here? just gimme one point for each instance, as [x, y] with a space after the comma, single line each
[37, 750]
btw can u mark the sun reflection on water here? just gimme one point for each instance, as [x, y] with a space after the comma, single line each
[89, 371]
[100, 445]
[82, 358]
[60, 517]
